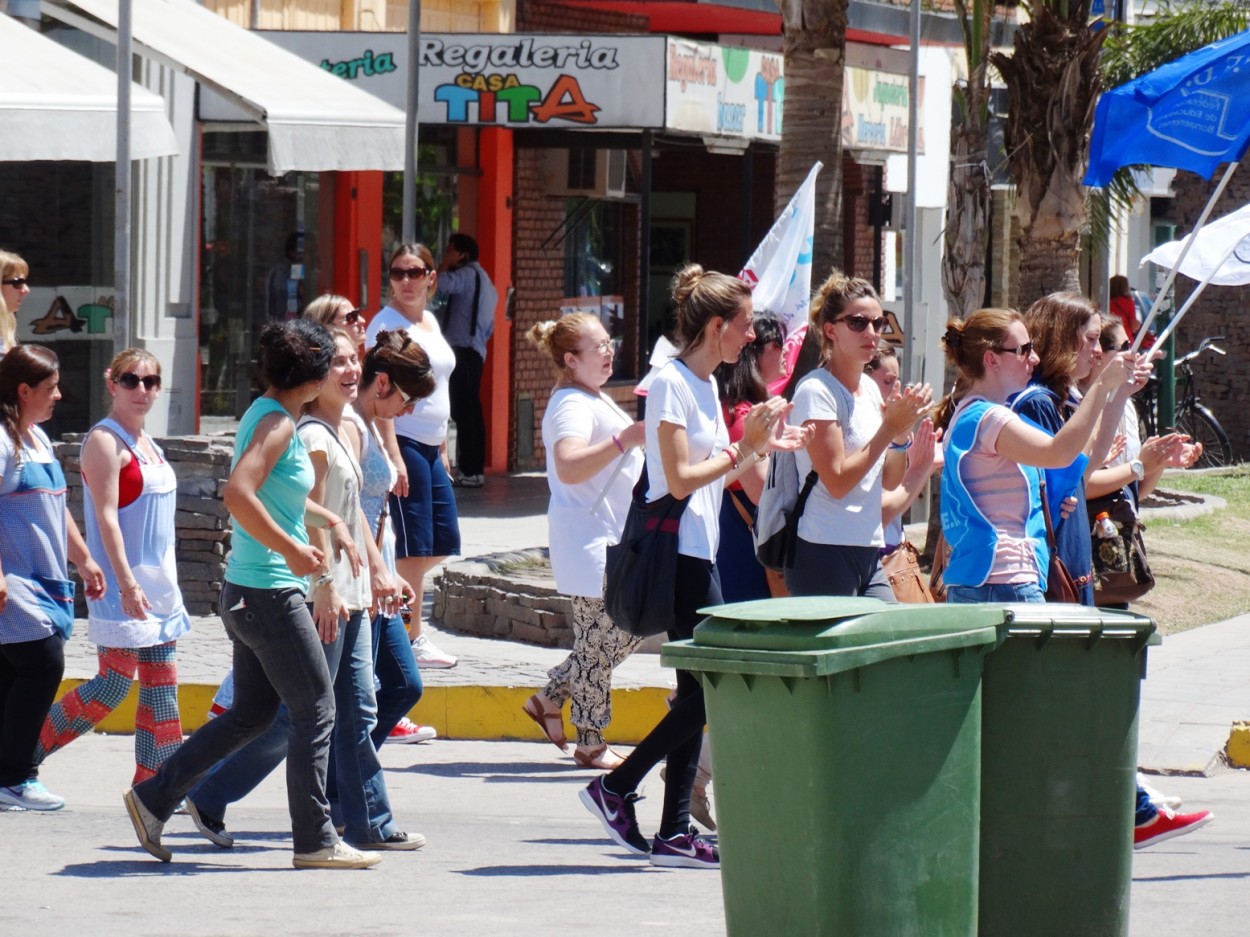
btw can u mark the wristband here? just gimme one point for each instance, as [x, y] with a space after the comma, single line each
[895, 447]
[324, 579]
[617, 439]
[733, 460]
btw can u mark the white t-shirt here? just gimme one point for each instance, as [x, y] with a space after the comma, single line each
[342, 496]
[428, 421]
[577, 538]
[856, 519]
[677, 396]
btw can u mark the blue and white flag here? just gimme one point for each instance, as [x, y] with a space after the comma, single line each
[780, 270]
[1191, 114]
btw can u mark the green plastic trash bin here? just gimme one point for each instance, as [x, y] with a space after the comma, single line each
[1059, 759]
[847, 763]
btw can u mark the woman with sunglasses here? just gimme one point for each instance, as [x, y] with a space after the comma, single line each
[396, 374]
[337, 312]
[859, 446]
[13, 289]
[130, 496]
[594, 453]
[423, 510]
[37, 538]
[991, 487]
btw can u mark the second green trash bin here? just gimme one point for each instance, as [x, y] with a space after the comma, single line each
[847, 763]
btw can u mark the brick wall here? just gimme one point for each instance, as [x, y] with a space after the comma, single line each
[537, 16]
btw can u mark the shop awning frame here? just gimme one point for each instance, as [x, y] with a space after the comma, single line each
[315, 120]
[58, 105]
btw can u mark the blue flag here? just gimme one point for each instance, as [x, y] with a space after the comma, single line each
[1192, 114]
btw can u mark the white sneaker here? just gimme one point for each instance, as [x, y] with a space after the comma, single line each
[338, 856]
[407, 732]
[30, 795]
[428, 655]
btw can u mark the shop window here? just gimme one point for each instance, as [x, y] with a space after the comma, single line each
[437, 195]
[592, 274]
[261, 251]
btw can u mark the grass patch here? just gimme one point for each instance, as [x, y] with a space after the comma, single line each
[1201, 566]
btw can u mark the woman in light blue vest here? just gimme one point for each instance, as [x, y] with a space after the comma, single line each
[991, 498]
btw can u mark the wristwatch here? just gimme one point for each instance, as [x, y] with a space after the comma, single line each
[1139, 470]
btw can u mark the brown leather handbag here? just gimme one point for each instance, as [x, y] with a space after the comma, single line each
[1060, 586]
[902, 569]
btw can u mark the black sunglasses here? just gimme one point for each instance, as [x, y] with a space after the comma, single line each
[861, 323]
[18, 282]
[1020, 351]
[350, 318]
[130, 381]
[411, 273]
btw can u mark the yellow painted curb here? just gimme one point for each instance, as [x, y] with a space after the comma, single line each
[1238, 749]
[457, 712]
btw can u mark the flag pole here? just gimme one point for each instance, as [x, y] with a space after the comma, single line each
[1171, 278]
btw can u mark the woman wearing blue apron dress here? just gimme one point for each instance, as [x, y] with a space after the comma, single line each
[130, 496]
[37, 536]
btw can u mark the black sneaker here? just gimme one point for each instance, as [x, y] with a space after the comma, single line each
[616, 813]
[210, 828]
[396, 841]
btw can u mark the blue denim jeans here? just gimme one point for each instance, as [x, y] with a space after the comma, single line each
[278, 659]
[995, 592]
[364, 806]
[399, 679]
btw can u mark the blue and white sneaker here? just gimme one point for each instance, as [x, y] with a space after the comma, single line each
[30, 795]
[685, 851]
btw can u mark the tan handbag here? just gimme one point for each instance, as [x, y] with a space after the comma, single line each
[902, 568]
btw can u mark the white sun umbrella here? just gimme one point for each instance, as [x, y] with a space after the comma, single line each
[1219, 254]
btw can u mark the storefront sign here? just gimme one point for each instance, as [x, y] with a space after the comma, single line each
[874, 111]
[508, 80]
[83, 313]
[723, 91]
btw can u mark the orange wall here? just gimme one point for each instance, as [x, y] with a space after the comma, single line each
[492, 228]
[357, 226]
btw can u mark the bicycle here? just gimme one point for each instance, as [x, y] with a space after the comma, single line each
[1193, 418]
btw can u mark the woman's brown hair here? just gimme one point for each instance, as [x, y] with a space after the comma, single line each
[831, 299]
[966, 341]
[1056, 323]
[402, 360]
[701, 296]
[413, 249]
[23, 364]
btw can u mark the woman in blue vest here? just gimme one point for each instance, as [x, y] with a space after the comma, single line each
[991, 497]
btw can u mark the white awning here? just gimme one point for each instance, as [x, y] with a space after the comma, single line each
[57, 104]
[316, 121]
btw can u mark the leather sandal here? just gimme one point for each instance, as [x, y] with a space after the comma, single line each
[602, 758]
[552, 723]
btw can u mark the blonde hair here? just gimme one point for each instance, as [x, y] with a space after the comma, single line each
[831, 299]
[701, 296]
[560, 336]
[11, 265]
[966, 341]
[8, 327]
[325, 308]
[129, 358]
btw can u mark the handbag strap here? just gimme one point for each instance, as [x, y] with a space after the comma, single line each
[808, 484]
[1050, 528]
[742, 511]
[382, 519]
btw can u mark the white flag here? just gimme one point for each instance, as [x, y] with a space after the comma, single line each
[780, 270]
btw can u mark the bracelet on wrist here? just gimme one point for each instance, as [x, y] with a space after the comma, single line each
[325, 579]
[617, 439]
[733, 458]
[897, 447]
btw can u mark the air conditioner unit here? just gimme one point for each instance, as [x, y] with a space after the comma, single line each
[584, 173]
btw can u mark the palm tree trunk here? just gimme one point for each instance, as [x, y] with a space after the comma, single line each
[814, 41]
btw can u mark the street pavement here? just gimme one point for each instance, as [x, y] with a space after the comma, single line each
[511, 849]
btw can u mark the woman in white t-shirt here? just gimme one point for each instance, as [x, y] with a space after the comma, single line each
[690, 456]
[595, 457]
[858, 447]
[423, 510]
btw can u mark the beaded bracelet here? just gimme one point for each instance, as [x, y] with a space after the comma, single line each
[617, 439]
[895, 447]
[733, 460]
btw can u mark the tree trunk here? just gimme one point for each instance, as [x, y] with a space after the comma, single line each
[967, 234]
[814, 41]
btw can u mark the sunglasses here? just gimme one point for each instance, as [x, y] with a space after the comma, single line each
[130, 381]
[17, 282]
[407, 399]
[1020, 351]
[861, 323]
[411, 273]
[351, 318]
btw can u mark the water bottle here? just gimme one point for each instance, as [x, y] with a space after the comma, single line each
[1109, 553]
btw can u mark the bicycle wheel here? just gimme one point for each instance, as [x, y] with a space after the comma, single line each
[1201, 426]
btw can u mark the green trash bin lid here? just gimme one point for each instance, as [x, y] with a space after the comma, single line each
[818, 635]
[1045, 622]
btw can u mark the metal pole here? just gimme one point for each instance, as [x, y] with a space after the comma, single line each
[410, 124]
[121, 207]
[644, 250]
[909, 237]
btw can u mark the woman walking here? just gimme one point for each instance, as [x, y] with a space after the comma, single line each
[689, 455]
[427, 527]
[37, 537]
[14, 285]
[277, 648]
[858, 448]
[594, 452]
[130, 496]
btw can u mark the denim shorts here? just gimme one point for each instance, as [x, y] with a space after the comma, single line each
[995, 592]
[426, 522]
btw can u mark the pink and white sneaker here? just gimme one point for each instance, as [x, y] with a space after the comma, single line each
[407, 732]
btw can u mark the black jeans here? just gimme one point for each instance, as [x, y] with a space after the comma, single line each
[679, 735]
[465, 389]
[30, 673]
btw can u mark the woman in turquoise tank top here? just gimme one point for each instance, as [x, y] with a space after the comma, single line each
[277, 649]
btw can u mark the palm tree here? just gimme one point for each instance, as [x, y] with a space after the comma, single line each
[1053, 80]
[814, 35]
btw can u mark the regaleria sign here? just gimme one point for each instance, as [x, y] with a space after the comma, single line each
[507, 80]
[724, 91]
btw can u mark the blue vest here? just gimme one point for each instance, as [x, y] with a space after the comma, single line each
[972, 538]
